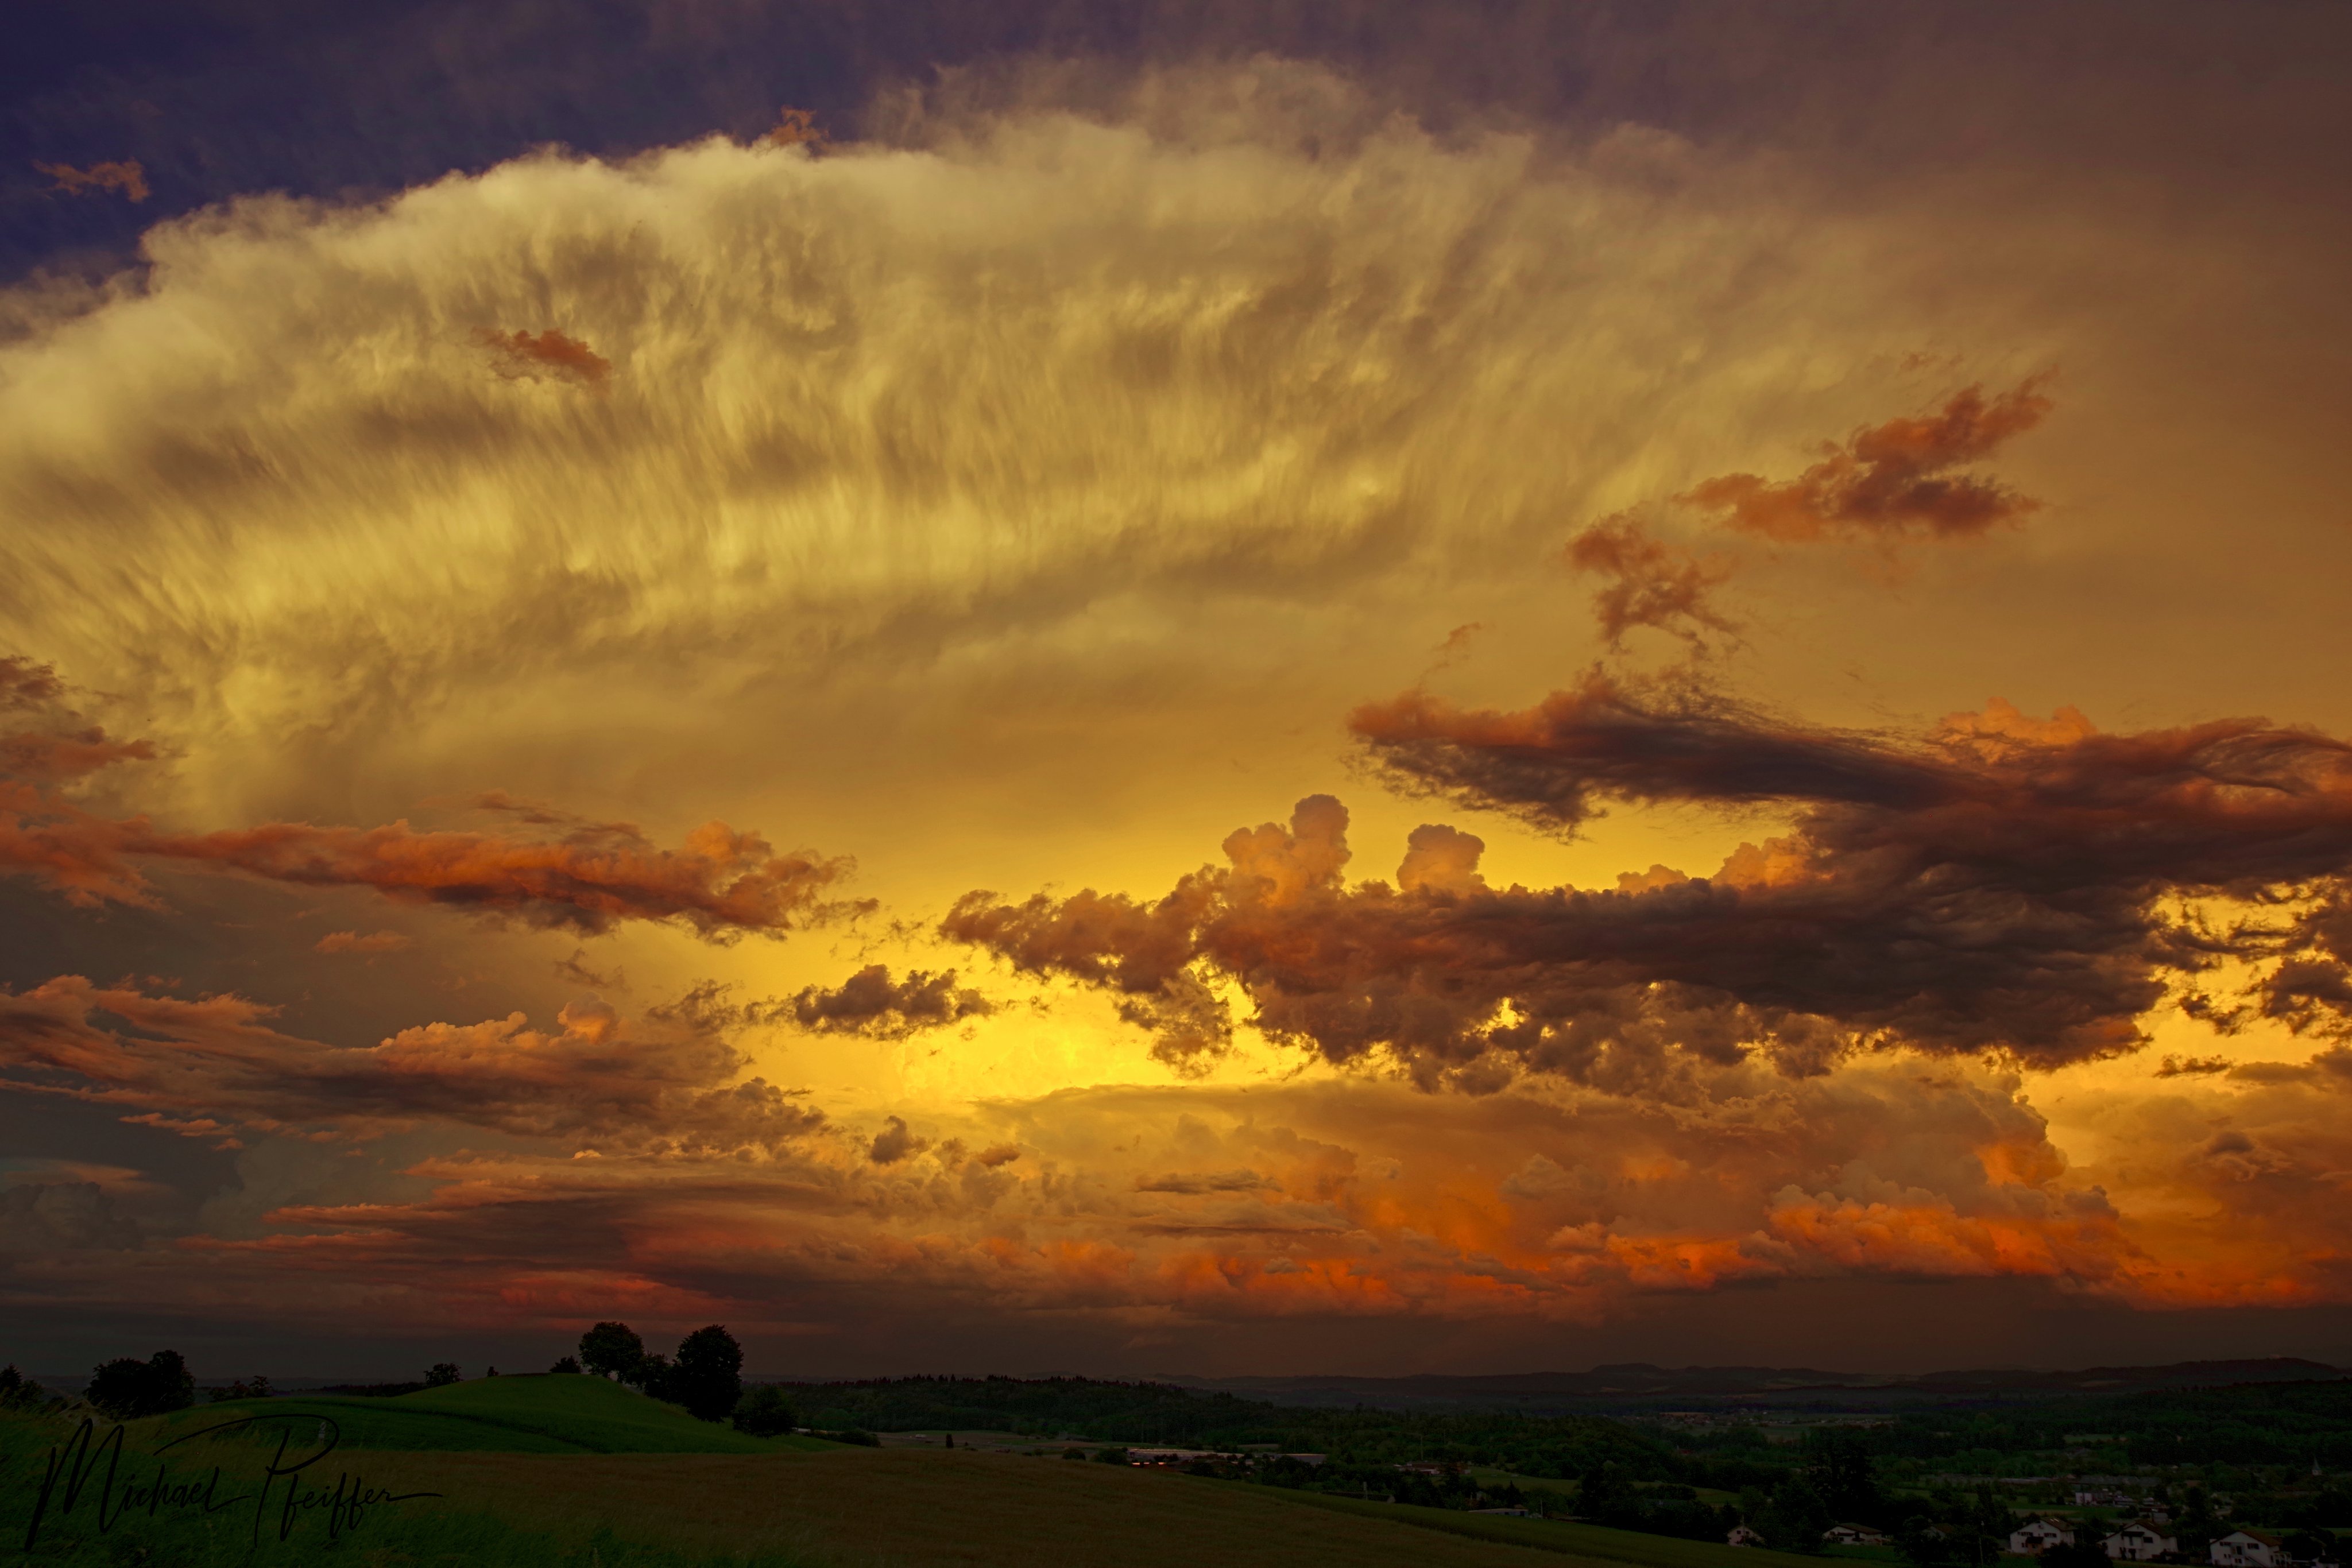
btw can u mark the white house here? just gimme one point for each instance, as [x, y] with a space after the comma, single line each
[2248, 1549]
[2037, 1536]
[2138, 1543]
[1854, 1535]
[1742, 1536]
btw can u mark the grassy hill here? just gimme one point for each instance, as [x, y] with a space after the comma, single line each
[535, 1414]
[573, 1472]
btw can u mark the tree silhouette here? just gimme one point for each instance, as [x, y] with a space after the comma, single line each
[708, 1376]
[612, 1350]
[128, 1388]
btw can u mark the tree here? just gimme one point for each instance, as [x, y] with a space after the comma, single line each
[565, 1364]
[1839, 1467]
[612, 1350]
[127, 1388]
[764, 1412]
[18, 1392]
[650, 1375]
[708, 1376]
[257, 1389]
[1793, 1517]
[1924, 1542]
[1605, 1494]
[442, 1373]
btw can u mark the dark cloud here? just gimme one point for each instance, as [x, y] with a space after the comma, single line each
[1999, 883]
[871, 1003]
[24, 683]
[1555, 763]
[1891, 479]
[1202, 1183]
[56, 1217]
[895, 1142]
[352, 942]
[213, 1067]
[1648, 583]
[579, 874]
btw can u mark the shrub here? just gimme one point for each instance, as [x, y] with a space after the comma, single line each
[764, 1412]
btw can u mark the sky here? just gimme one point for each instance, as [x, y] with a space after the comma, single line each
[1181, 688]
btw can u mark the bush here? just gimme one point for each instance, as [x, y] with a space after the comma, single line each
[764, 1412]
[857, 1434]
[127, 1388]
[566, 1363]
[442, 1375]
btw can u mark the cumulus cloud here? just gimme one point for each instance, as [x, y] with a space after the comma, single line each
[871, 1003]
[2000, 883]
[1891, 480]
[895, 1142]
[666, 1082]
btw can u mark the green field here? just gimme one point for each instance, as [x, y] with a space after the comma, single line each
[540, 1414]
[573, 1472]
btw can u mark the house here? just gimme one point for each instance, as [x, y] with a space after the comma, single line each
[1742, 1536]
[1854, 1535]
[2138, 1543]
[2037, 1536]
[2248, 1549]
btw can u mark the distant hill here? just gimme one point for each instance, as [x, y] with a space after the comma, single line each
[1640, 1385]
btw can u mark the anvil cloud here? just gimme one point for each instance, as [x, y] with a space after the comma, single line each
[1649, 527]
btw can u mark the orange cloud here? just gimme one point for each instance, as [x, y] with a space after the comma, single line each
[352, 942]
[519, 353]
[1997, 885]
[870, 1003]
[1650, 584]
[124, 175]
[1890, 480]
[575, 874]
[796, 128]
[661, 1084]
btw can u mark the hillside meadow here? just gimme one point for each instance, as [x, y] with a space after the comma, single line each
[574, 1472]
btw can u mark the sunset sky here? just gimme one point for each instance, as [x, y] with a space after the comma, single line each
[1200, 688]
